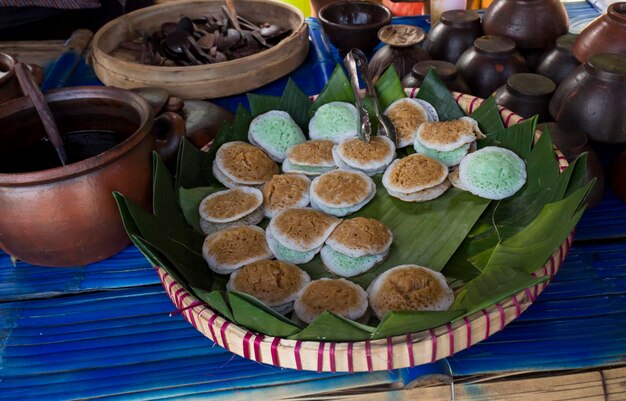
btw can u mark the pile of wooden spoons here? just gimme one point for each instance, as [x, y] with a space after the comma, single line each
[205, 40]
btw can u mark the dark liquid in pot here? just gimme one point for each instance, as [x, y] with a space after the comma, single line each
[79, 145]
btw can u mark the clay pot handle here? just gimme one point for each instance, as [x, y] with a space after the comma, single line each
[37, 73]
[169, 128]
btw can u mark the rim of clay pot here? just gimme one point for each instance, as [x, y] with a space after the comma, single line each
[444, 69]
[381, 23]
[460, 18]
[530, 85]
[608, 66]
[143, 110]
[495, 45]
[7, 61]
[415, 33]
[566, 42]
[617, 12]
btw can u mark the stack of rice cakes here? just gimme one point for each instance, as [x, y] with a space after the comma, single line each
[263, 263]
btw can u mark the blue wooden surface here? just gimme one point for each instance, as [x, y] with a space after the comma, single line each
[105, 330]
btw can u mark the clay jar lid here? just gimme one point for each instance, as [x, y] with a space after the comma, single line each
[494, 45]
[566, 42]
[532, 85]
[398, 35]
[446, 71]
[460, 18]
[607, 66]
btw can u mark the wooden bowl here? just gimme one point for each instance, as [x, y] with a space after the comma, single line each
[202, 81]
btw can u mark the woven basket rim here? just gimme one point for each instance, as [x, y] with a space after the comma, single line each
[388, 353]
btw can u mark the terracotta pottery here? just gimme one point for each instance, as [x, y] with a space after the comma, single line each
[489, 63]
[446, 71]
[606, 34]
[351, 24]
[66, 216]
[527, 94]
[572, 141]
[402, 49]
[559, 60]
[9, 85]
[532, 24]
[592, 97]
[453, 34]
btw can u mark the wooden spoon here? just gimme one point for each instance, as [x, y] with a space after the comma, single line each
[31, 90]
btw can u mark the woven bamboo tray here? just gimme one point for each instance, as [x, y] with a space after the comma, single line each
[383, 354]
[201, 81]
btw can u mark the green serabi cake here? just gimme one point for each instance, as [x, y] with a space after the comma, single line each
[341, 192]
[296, 235]
[447, 141]
[275, 132]
[335, 121]
[356, 246]
[492, 173]
[311, 158]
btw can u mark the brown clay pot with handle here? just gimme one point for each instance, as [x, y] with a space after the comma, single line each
[606, 34]
[56, 215]
[9, 85]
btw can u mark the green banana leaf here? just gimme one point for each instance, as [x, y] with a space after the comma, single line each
[331, 327]
[253, 314]
[217, 300]
[435, 92]
[495, 245]
[398, 323]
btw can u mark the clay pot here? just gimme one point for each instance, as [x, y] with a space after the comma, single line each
[572, 141]
[446, 71]
[606, 34]
[402, 49]
[9, 85]
[453, 34]
[351, 24]
[66, 216]
[532, 24]
[527, 95]
[559, 60]
[489, 63]
[592, 97]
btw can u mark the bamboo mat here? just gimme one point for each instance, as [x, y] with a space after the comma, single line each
[124, 343]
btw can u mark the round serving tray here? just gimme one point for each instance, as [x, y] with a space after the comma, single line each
[201, 81]
[370, 355]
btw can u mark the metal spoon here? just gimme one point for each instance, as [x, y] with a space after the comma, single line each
[385, 127]
[364, 126]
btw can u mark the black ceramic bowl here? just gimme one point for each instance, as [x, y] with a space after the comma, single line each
[351, 24]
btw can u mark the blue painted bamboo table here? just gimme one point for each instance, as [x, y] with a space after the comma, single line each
[109, 331]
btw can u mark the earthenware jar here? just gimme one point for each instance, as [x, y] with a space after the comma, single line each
[527, 95]
[532, 24]
[349, 24]
[402, 49]
[446, 71]
[558, 61]
[487, 65]
[9, 85]
[572, 141]
[606, 34]
[66, 215]
[592, 97]
[453, 34]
